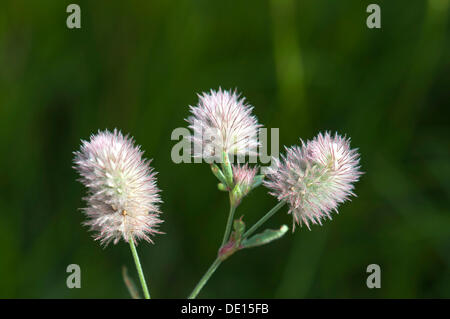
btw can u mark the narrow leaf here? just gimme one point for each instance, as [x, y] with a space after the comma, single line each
[227, 170]
[239, 229]
[265, 237]
[130, 284]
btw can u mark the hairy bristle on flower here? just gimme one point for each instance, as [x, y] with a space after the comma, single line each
[315, 178]
[122, 196]
[223, 122]
[243, 175]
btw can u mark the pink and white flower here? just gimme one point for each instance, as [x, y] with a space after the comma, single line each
[122, 199]
[315, 178]
[223, 122]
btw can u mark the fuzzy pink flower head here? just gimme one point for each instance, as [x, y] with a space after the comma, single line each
[223, 122]
[122, 199]
[243, 176]
[315, 178]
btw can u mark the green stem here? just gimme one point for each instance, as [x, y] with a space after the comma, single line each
[263, 219]
[229, 223]
[139, 269]
[205, 278]
[218, 261]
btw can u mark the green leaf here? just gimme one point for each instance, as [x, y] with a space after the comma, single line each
[227, 170]
[239, 228]
[236, 196]
[265, 237]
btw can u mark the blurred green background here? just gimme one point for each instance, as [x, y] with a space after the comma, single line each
[306, 66]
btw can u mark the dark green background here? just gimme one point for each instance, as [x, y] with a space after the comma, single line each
[306, 66]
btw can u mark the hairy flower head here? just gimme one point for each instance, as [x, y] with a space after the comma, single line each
[122, 198]
[243, 177]
[223, 122]
[315, 178]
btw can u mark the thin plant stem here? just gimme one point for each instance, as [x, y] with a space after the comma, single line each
[263, 219]
[139, 269]
[229, 223]
[205, 278]
[218, 261]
